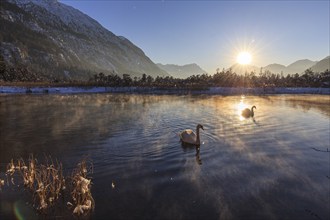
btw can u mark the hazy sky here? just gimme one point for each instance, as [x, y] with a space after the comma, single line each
[211, 33]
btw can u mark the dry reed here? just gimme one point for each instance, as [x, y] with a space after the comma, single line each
[47, 183]
[2, 183]
[81, 193]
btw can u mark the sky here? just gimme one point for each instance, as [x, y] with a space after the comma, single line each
[212, 33]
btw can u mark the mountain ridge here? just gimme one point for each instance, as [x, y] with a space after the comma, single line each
[298, 66]
[182, 71]
[321, 65]
[61, 41]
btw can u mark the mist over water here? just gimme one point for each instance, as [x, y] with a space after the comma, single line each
[269, 167]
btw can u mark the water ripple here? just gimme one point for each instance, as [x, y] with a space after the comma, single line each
[243, 165]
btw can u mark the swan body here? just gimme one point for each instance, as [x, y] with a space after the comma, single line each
[189, 137]
[248, 113]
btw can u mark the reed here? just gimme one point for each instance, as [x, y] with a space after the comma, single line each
[2, 183]
[81, 192]
[47, 183]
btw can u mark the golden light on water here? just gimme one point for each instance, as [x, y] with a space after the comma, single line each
[240, 107]
[244, 58]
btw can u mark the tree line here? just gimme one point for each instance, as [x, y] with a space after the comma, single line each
[224, 78]
[219, 79]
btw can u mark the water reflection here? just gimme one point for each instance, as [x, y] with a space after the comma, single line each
[245, 169]
[198, 158]
[321, 104]
[186, 148]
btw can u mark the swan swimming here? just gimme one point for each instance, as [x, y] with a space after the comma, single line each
[189, 137]
[248, 113]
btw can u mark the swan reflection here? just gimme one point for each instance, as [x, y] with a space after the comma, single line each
[198, 158]
[186, 147]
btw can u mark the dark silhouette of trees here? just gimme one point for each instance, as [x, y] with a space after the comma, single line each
[2, 65]
[19, 74]
[127, 80]
[227, 78]
[144, 78]
[224, 78]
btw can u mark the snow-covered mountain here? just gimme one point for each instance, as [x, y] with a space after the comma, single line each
[50, 37]
[182, 71]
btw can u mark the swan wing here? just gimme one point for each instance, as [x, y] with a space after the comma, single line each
[246, 112]
[188, 136]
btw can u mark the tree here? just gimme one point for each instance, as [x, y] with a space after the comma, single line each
[150, 80]
[127, 80]
[2, 67]
[144, 78]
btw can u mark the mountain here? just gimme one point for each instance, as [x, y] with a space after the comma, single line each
[275, 68]
[182, 71]
[299, 66]
[50, 37]
[322, 65]
[242, 69]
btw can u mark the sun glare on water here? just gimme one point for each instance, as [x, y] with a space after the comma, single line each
[244, 58]
[240, 107]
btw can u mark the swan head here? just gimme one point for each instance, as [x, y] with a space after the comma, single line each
[253, 107]
[200, 126]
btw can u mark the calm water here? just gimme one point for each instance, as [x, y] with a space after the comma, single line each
[262, 169]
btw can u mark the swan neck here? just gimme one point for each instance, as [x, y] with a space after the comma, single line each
[252, 113]
[197, 132]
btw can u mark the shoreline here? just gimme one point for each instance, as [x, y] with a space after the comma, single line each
[159, 91]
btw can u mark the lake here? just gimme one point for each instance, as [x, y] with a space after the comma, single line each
[275, 166]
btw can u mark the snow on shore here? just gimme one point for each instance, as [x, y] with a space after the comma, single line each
[147, 90]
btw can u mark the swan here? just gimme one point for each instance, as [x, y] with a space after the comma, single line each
[189, 137]
[248, 113]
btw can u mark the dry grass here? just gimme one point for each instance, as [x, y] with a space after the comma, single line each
[47, 183]
[2, 183]
[81, 184]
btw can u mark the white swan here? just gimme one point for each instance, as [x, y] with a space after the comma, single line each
[189, 137]
[248, 113]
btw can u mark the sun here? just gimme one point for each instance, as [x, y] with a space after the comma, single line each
[244, 58]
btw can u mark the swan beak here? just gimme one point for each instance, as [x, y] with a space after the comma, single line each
[202, 128]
